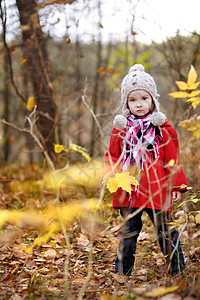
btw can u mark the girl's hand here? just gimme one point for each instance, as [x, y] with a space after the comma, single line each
[176, 196]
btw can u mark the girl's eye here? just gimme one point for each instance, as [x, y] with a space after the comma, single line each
[144, 98]
[131, 99]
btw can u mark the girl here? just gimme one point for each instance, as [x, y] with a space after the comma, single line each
[146, 145]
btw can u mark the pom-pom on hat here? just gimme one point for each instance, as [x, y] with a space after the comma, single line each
[138, 79]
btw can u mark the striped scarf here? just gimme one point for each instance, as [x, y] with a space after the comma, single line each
[141, 143]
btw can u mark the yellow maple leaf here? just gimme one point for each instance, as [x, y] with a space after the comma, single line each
[30, 103]
[112, 185]
[192, 76]
[123, 180]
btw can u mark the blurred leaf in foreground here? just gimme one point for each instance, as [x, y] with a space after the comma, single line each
[88, 175]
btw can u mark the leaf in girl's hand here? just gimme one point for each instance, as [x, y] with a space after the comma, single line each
[112, 185]
[121, 180]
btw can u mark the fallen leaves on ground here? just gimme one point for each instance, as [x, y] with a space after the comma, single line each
[41, 274]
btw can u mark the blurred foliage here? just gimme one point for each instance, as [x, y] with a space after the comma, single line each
[189, 91]
[48, 222]
[120, 61]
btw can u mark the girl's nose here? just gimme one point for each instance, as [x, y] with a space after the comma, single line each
[139, 104]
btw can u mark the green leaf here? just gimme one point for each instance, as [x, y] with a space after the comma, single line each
[183, 186]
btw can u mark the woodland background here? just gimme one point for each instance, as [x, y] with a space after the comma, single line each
[68, 91]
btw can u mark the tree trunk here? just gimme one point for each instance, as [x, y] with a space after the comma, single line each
[35, 53]
[6, 129]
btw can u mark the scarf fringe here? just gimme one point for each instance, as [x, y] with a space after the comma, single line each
[140, 146]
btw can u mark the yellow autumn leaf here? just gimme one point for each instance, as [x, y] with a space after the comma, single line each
[47, 222]
[121, 180]
[79, 149]
[194, 86]
[160, 291]
[193, 99]
[192, 128]
[197, 219]
[30, 103]
[193, 124]
[196, 134]
[58, 148]
[196, 103]
[182, 85]
[23, 60]
[185, 124]
[179, 94]
[112, 185]
[171, 163]
[194, 94]
[192, 76]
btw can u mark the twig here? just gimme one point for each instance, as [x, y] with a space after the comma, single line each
[32, 120]
[66, 266]
[91, 111]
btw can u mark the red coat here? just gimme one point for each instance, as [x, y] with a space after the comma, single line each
[158, 179]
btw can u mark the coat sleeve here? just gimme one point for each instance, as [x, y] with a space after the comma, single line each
[114, 151]
[174, 171]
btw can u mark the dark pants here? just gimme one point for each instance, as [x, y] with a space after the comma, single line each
[168, 239]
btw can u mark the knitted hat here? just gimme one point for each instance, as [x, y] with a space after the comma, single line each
[138, 79]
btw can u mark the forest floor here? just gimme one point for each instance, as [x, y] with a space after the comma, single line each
[40, 274]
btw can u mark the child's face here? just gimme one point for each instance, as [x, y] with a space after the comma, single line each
[140, 102]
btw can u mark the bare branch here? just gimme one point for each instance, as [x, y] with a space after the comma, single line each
[32, 120]
[84, 97]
